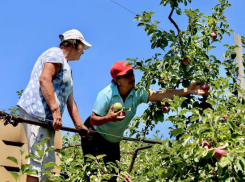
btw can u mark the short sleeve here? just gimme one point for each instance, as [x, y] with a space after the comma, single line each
[54, 55]
[141, 96]
[101, 105]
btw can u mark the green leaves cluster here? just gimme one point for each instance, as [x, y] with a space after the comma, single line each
[217, 118]
[195, 118]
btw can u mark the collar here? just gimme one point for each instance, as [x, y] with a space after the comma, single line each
[116, 92]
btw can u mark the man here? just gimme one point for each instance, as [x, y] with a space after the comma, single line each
[111, 125]
[51, 88]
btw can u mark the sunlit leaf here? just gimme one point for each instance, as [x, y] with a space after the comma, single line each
[13, 159]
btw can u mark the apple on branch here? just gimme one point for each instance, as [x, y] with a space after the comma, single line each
[165, 109]
[205, 87]
[186, 61]
[206, 144]
[214, 35]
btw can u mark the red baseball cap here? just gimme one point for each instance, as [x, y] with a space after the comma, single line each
[120, 68]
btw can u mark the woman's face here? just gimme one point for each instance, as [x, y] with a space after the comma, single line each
[75, 54]
[127, 80]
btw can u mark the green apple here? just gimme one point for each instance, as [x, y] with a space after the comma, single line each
[117, 106]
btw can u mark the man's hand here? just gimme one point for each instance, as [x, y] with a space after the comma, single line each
[84, 130]
[114, 116]
[57, 123]
[196, 89]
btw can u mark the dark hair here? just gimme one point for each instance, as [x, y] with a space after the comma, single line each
[67, 43]
[113, 82]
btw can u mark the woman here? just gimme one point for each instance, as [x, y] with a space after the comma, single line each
[49, 90]
[111, 125]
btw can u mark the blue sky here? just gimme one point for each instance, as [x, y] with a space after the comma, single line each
[28, 28]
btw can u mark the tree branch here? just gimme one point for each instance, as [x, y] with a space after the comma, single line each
[172, 21]
[176, 26]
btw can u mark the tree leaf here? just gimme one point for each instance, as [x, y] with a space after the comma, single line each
[183, 111]
[50, 149]
[22, 151]
[13, 159]
[40, 153]
[224, 161]
[15, 175]
[50, 164]
[100, 156]
[25, 166]
[31, 172]
[44, 141]
[177, 131]
[31, 155]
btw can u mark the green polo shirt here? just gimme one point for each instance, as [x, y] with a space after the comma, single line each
[109, 96]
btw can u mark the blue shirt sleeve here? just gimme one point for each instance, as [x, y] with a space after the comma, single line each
[102, 104]
[54, 55]
[141, 96]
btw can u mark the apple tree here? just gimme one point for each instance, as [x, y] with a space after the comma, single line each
[207, 137]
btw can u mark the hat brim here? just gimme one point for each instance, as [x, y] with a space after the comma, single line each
[86, 45]
[124, 72]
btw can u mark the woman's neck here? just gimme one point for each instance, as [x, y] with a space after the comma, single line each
[65, 51]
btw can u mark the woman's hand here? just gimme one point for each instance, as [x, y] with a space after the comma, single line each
[57, 120]
[113, 116]
[84, 129]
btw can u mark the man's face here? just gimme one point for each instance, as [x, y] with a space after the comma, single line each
[127, 80]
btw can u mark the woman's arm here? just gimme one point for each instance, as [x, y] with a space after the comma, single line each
[45, 80]
[74, 114]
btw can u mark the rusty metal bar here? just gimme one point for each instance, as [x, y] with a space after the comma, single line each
[38, 123]
[135, 155]
[143, 140]
[14, 120]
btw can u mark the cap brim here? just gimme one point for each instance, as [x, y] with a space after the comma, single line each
[124, 72]
[86, 45]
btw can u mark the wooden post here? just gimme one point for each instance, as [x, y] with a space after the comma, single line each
[240, 78]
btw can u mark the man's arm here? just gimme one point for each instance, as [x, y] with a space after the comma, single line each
[160, 95]
[45, 80]
[111, 116]
[74, 114]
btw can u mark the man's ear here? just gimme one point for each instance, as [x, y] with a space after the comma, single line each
[116, 80]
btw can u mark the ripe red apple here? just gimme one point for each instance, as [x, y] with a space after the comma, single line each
[225, 116]
[165, 109]
[205, 87]
[218, 153]
[204, 144]
[122, 114]
[185, 61]
[102, 173]
[214, 35]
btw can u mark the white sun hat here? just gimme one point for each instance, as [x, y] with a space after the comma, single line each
[75, 34]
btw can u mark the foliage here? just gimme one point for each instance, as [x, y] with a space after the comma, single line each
[14, 110]
[216, 119]
[195, 119]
